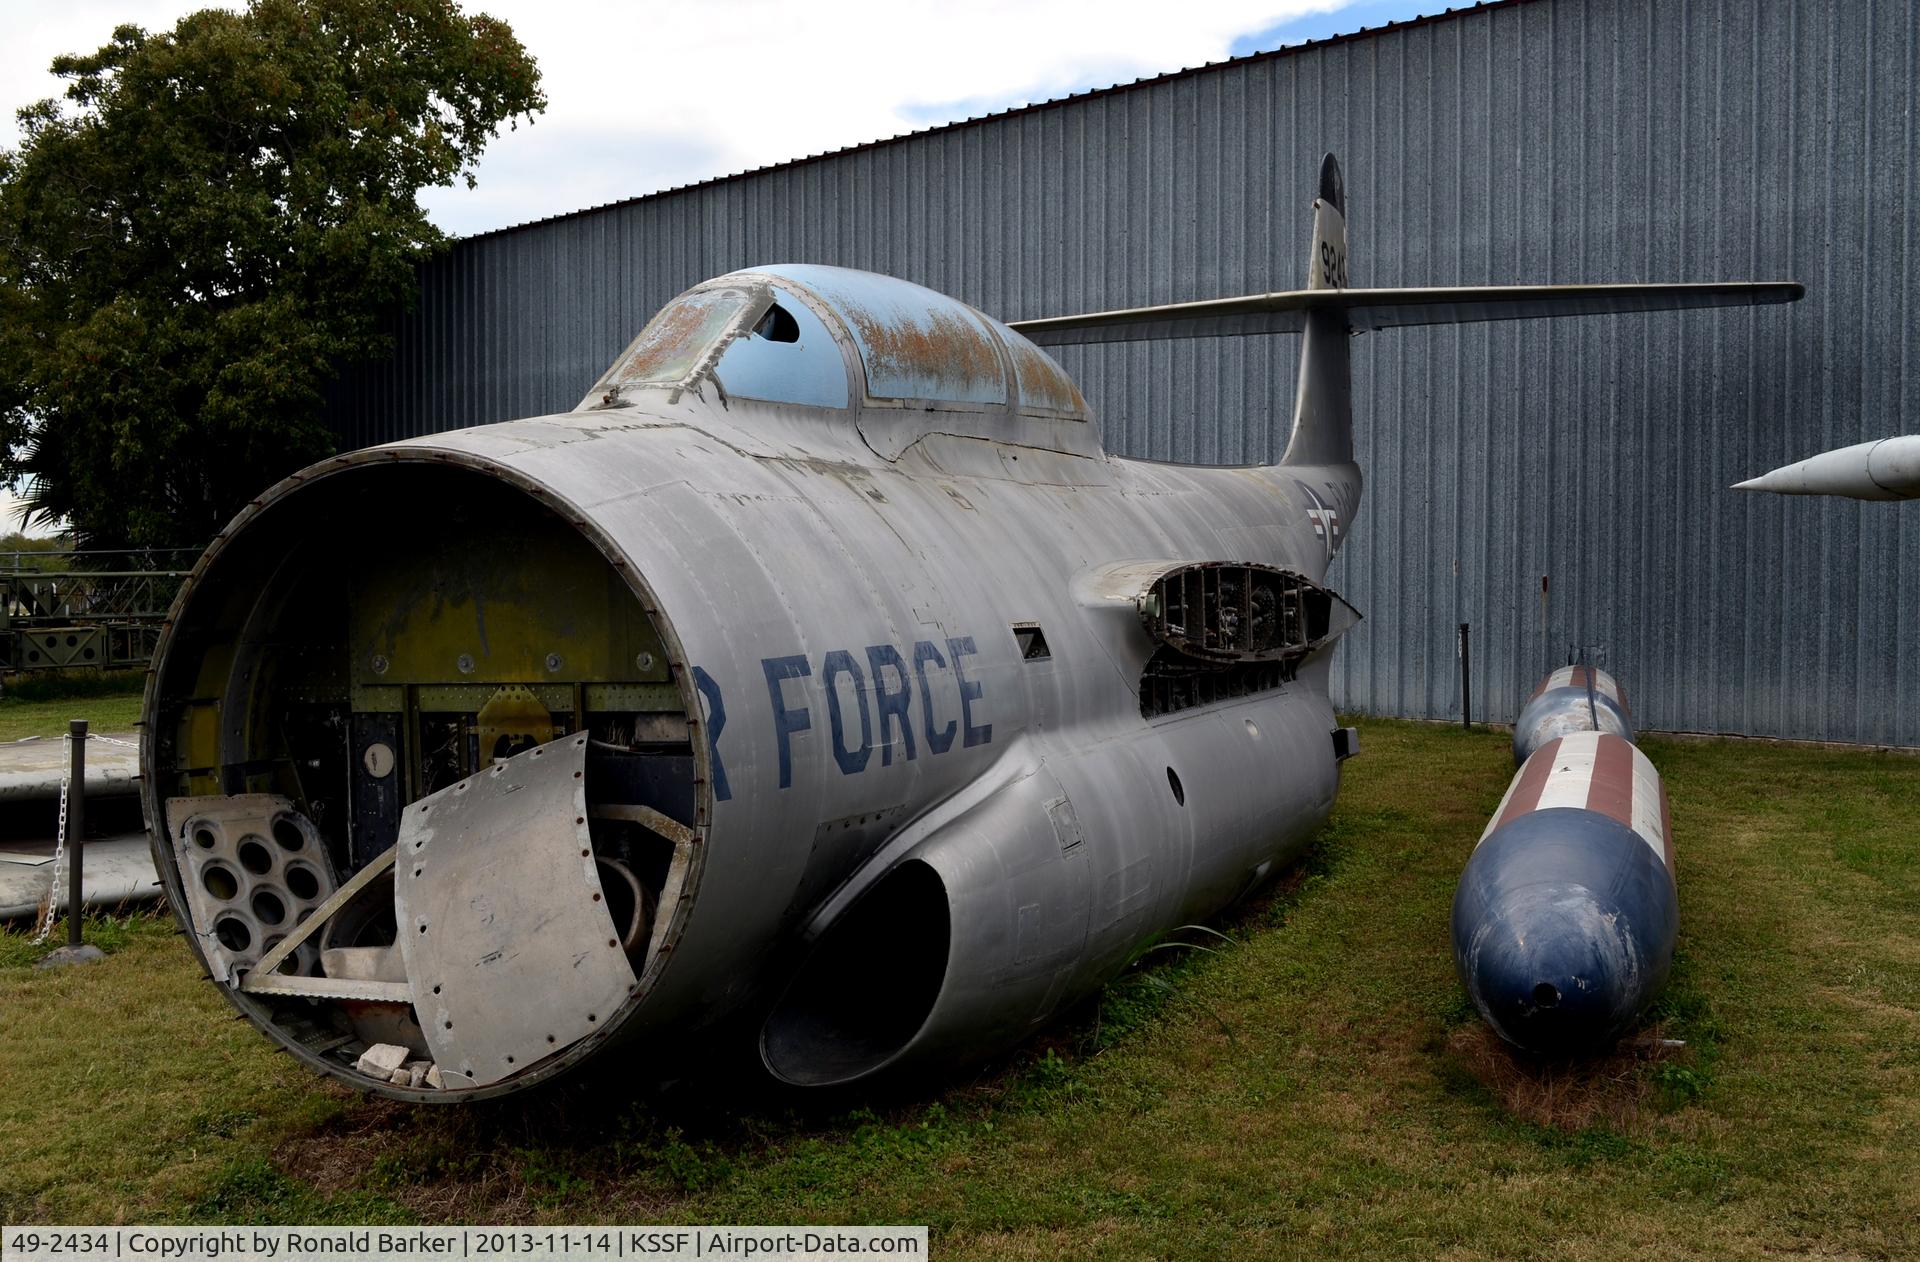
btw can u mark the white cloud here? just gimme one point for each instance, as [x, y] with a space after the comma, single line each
[737, 84]
[33, 33]
[649, 95]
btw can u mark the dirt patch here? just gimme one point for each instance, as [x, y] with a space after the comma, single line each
[1620, 1091]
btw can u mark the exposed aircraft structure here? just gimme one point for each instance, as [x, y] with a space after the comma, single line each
[1565, 917]
[820, 671]
[1884, 469]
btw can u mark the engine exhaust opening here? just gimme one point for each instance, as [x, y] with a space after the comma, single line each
[868, 986]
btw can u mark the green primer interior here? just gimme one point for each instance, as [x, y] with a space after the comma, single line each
[413, 592]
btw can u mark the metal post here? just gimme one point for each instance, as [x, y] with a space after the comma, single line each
[76, 826]
[1466, 678]
[1546, 635]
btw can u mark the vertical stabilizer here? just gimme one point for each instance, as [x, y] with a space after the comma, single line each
[1323, 408]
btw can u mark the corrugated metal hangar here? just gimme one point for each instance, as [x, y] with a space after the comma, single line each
[1526, 141]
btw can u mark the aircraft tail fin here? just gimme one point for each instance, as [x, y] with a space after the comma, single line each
[1323, 404]
[1327, 265]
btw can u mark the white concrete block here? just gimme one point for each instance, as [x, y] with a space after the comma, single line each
[380, 1060]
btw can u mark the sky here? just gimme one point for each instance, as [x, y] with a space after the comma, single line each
[646, 95]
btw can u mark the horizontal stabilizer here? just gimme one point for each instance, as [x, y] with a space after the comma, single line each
[1391, 308]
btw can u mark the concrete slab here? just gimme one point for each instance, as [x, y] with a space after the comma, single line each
[117, 870]
[30, 770]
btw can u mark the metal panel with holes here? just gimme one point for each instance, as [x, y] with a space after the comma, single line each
[253, 868]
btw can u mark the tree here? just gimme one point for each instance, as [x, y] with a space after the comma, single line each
[224, 217]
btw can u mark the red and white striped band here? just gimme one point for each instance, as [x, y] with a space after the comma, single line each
[1593, 771]
[1576, 677]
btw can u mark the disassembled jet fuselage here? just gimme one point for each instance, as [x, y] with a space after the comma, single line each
[820, 666]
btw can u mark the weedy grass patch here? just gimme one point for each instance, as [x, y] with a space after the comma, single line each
[1313, 1085]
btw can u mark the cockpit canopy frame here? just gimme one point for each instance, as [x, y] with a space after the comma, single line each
[814, 336]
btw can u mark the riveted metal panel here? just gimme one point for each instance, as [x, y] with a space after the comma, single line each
[493, 996]
[1529, 141]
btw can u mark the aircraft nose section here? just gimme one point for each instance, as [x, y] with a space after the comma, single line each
[1548, 966]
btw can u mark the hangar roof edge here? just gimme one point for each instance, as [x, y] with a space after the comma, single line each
[1447, 15]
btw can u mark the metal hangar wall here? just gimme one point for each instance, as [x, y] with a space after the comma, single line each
[1521, 141]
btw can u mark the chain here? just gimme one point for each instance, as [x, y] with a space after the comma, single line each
[59, 850]
[60, 838]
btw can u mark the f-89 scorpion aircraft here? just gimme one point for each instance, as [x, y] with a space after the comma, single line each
[819, 675]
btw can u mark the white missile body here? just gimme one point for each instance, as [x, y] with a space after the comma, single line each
[1885, 469]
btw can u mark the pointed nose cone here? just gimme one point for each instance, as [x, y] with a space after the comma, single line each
[1885, 469]
[1554, 971]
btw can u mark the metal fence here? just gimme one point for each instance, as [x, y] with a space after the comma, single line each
[86, 609]
[1537, 140]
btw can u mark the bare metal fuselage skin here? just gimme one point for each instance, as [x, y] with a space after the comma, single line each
[848, 624]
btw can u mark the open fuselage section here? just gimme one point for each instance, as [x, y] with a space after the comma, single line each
[825, 664]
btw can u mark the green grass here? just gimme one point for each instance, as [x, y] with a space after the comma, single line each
[110, 713]
[1318, 1088]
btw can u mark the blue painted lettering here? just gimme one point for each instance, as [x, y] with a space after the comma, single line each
[786, 722]
[716, 724]
[892, 697]
[838, 663]
[962, 646]
[890, 703]
[937, 741]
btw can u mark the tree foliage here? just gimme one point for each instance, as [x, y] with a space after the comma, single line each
[213, 222]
